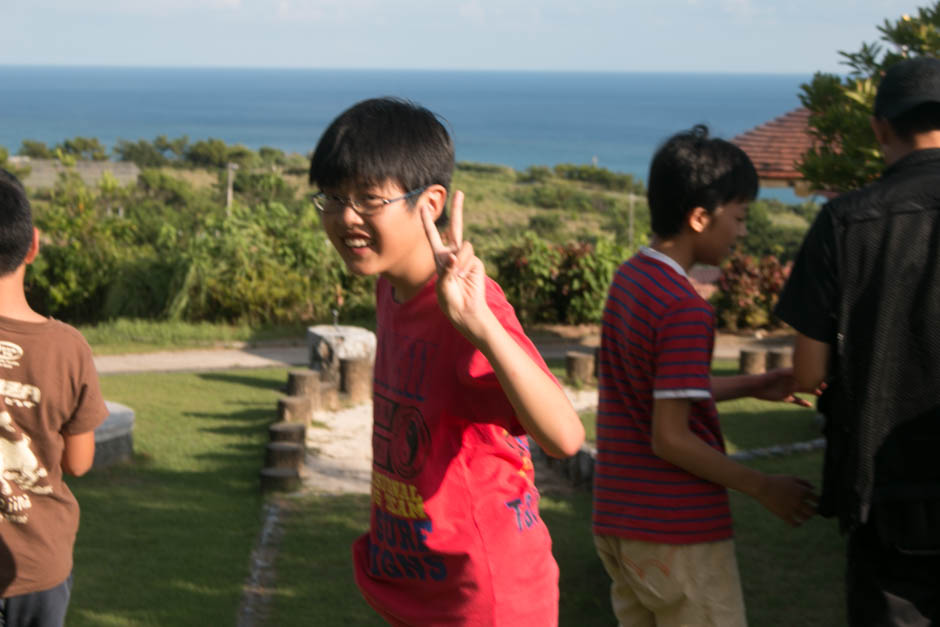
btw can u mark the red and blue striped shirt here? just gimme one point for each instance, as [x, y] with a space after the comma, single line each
[657, 338]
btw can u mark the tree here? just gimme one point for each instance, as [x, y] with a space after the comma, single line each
[846, 155]
[88, 148]
[141, 152]
[35, 150]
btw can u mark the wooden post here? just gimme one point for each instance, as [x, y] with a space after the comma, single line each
[752, 361]
[294, 432]
[781, 358]
[284, 455]
[356, 378]
[280, 479]
[295, 409]
[579, 367]
[303, 382]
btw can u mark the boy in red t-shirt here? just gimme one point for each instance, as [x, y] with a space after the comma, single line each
[455, 535]
[662, 525]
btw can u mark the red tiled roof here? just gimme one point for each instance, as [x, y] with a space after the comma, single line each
[777, 146]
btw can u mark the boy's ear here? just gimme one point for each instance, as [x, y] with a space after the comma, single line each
[698, 219]
[435, 196]
[33, 247]
[882, 130]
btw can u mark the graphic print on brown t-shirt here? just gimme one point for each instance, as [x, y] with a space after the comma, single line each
[20, 470]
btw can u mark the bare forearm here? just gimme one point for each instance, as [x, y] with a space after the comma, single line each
[736, 386]
[689, 452]
[541, 406]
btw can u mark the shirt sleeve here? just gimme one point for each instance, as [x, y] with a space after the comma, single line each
[481, 390]
[90, 409]
[683, 350]
[809, 300]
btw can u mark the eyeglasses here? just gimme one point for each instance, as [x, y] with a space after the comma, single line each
[365, 206]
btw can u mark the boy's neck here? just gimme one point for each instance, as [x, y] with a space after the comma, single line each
[404, 289]
[13, 303]
[679, 248]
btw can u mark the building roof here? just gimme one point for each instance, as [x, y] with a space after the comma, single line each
[776, 147]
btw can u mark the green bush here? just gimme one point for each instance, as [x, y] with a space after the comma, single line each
[527, 271]
[583, 279]
[263, 264]
[748, 289]
[557, 283]
[764, 237]
[600, 176]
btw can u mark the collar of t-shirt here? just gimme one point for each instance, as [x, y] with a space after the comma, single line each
[663, 258]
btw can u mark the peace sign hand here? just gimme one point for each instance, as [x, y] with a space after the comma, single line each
[461, 278]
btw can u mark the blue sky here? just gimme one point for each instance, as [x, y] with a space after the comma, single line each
[798, 36]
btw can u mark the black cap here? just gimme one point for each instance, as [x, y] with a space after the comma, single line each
[907, 84]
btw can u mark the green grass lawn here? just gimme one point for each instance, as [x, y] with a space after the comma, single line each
[167, 539]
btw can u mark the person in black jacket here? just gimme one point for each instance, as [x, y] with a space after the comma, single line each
[864, 298]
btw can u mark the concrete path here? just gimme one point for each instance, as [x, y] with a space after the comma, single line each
[207, 359]
[726, 347]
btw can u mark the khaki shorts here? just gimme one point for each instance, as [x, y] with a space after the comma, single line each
[669, 585]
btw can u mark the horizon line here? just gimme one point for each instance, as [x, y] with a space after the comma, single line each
[405, 69]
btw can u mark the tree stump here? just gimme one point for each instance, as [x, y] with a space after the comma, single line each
[303, 382]
[752, 361]
[579, 367]
[283, 455]
[356, 378]
[329, 396]
[781, 358]
[293, 432]
[295, 409]
[280, 479]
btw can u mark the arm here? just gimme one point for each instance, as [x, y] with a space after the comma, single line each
[776, 385]
[79, 453]
[810, 362]
[541, 406]
[789, 498]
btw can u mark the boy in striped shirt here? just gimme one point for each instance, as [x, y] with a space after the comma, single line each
[661, 521]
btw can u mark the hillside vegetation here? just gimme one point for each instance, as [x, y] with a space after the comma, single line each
[168, 247]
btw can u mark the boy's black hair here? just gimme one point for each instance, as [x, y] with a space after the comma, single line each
[16, 223]
[692, 170]
[384, 139]
[921, 119]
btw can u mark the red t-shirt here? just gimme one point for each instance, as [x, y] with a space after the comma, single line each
[455, 536]
[656, 342]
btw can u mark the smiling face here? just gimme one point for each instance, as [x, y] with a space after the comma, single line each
[391, 243]
[725, 225]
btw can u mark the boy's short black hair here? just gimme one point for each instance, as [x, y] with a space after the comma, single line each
[921, 119]
[692, 170]
[16, 223]
[384, 139]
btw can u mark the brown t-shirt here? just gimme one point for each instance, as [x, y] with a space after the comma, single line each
[48, 387]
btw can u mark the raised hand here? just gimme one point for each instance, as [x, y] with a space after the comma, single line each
[461, 278]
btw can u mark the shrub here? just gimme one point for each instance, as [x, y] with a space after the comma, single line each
[584, 276]
[748, 289]
[527, 271]
[552, 283]
[599, 176]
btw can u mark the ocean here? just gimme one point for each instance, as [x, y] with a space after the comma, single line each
[518, 119]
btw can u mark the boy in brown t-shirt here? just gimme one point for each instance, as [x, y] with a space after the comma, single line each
[50, 404]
